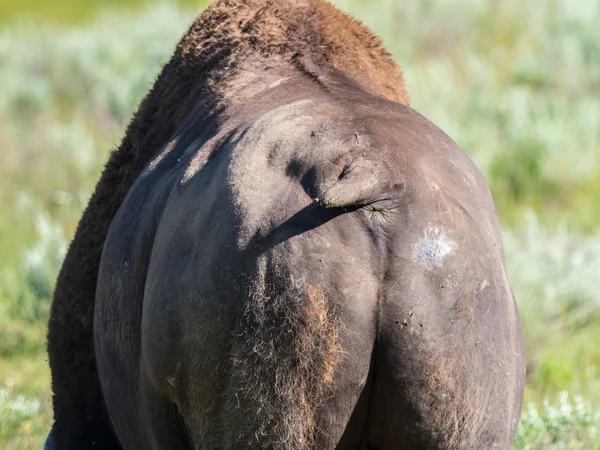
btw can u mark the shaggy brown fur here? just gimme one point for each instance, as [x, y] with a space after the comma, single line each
[311, 36]
[283, 372]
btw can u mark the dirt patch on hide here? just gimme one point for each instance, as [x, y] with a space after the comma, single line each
[324, 325]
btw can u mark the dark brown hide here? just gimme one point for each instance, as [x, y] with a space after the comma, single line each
[324, 272]
[240, 60]
[305, 35]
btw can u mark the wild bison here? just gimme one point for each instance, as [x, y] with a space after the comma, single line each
[282, 254]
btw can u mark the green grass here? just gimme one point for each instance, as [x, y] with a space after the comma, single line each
[563, 424]
[69, 12]
[25, 401]
[514, 83]
[556, 280]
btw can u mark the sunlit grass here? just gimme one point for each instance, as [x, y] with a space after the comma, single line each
[25, 402]
[556, 280]
[70, 12]
[561, 424]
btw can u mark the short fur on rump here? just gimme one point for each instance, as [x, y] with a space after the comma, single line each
[306, 34]
[283, 369]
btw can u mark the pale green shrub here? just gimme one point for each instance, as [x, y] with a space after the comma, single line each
[15, 413]
[564, 425]
[556, 280]
[41, 262]
[554, 274]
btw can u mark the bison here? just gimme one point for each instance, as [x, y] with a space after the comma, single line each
[282, 254]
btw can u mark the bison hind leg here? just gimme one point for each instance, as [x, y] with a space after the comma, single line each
[283, 363]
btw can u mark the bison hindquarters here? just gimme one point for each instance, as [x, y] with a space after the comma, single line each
[360, 314]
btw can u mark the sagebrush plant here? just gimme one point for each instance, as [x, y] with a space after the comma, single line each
[563, 424]
[17, 413]
[555, 278]
[41, 262]
[513, 83]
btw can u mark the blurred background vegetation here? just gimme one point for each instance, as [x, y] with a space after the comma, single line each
[514, 82]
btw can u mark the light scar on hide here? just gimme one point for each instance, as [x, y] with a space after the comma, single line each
[432, 248]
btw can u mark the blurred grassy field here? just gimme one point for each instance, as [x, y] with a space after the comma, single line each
[514, 83]
[75, 12]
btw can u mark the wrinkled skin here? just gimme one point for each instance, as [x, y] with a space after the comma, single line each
[321, 269]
